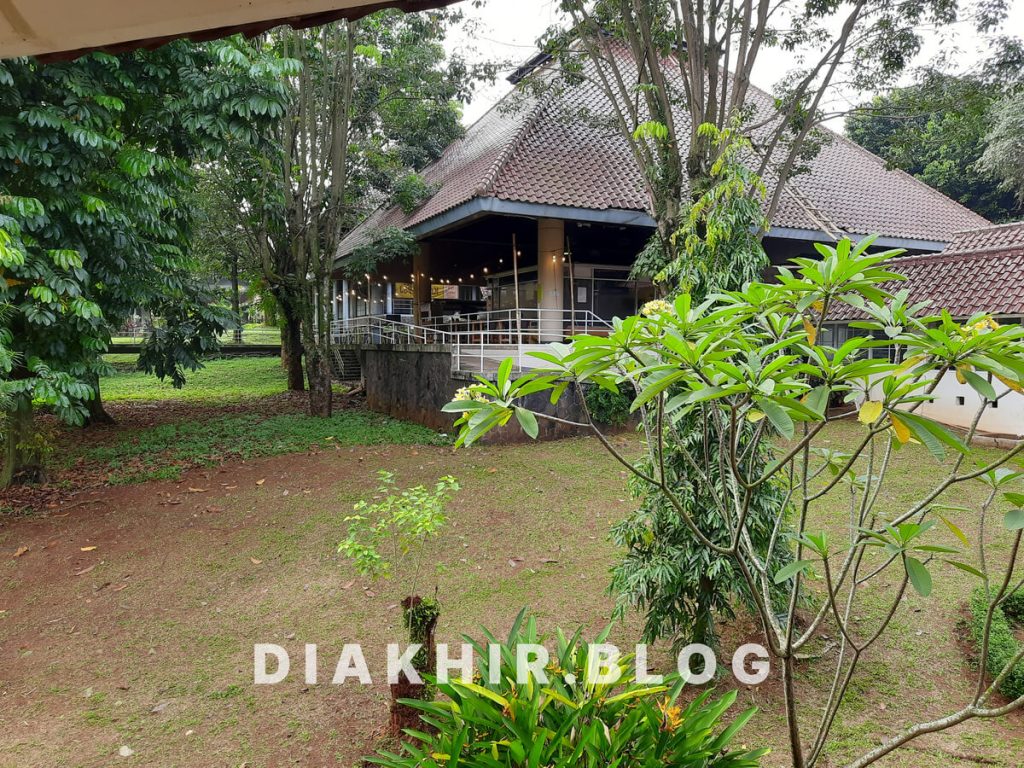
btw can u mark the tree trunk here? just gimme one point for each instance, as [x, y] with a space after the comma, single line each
[23, 459]
[321, 393]
[236, 303]
[291, 350]
[97, 413]
[420, 618]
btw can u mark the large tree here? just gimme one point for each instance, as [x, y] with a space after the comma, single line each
[1004, 151]
[367, 105]
[668, 67]
[936, 130]
[95, 155]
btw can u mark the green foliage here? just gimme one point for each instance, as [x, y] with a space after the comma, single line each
[681, 586]
[1003, 646]
[386, 245]
[95, 157]
[420, 618]
[411, 191]
[1013, 606]
[737, 389]
[569, 720]
[937, 130]
[1005, 147]
[718, 244]
[607, 406]
[387, 534]
[753, 356]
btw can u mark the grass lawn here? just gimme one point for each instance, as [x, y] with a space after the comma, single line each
[130, 618]
[220, 381]
[233, 408]
[252, 333]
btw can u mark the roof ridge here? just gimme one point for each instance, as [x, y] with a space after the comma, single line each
[977, 253]
[990, 227]
[494, 171]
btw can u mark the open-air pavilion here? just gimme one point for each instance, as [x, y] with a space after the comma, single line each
[537, 216]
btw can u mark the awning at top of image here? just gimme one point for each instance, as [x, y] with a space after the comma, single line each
[65, 29]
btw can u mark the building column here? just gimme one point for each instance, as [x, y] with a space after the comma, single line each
[551, 278]
[346, 301]
[421, 282]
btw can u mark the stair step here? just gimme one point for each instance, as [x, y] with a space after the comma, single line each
[345, 364]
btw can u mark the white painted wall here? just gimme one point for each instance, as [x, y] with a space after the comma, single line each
[1005, 419]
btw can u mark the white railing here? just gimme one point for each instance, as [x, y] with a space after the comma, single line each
[529, 324]
[478, 341]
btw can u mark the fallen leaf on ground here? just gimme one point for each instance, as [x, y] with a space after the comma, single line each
[254, 561]
[88, 549]
[261, 482]
[84, 571]
[549, 560]
[198, 490]
[21, 551]
[348, 585]
[126, 751]
[119, 587]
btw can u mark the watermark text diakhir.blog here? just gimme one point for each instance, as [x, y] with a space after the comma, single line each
[272, 664]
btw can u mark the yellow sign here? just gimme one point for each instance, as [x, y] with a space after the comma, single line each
[404, 291]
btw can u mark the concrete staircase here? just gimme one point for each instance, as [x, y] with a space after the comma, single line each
[345, 364]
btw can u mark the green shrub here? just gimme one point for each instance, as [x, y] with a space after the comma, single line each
[607, 407]
[567, 721]
[1013, 606]
[1002, 645]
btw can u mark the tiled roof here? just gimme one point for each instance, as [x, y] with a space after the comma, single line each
[563, 149]
[999, 238]
[982, 270]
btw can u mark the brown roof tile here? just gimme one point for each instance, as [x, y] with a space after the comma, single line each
[982, 270]
[562, 149]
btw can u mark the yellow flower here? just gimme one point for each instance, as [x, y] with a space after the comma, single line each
[656, 307]
[986, 323]
[673, 715]
[467, 393]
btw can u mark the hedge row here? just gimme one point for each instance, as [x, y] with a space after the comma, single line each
[1002, 645]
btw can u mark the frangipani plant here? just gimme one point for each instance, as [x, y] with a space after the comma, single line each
[756, 356]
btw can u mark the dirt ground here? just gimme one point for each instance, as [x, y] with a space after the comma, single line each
[128, 615]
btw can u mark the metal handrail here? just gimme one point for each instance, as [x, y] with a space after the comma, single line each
[480, 338]
[529, 320]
